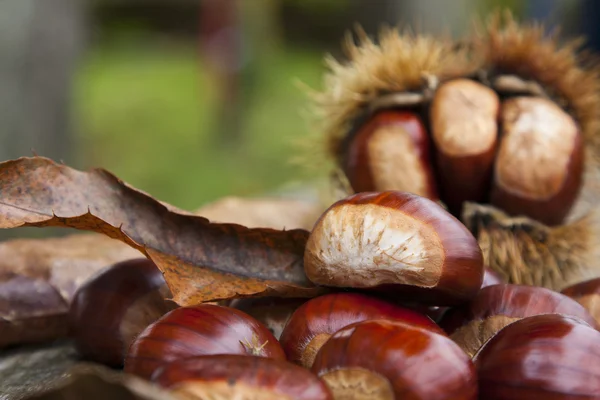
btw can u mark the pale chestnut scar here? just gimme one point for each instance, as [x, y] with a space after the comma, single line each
[366, 245]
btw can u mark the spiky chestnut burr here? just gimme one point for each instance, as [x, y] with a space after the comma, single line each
[502, 78]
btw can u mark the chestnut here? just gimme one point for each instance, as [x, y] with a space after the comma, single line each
[114, 306]
[397, 242]
[496, 306]
[383, 359]
[315, 321]
[199, 330]
[538, 170]
[273, 312]
[587, 294]
[491, 277]
[390, 152]
[464, 128]
[239, 377]
[541, 357]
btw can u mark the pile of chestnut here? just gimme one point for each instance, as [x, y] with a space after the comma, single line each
[415, 315]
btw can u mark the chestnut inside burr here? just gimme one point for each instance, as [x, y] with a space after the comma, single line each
[533, 168]
[358, 384]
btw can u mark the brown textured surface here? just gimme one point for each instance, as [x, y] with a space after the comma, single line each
[38, 278]
[54, 372]
[228, 259]
[550, 357]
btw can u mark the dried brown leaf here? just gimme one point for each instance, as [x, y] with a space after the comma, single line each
[201, 261]
[38, 277]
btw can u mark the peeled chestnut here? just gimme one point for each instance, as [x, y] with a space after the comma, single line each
[588, 295]
[200, 330]
[315, 321]
[114, 306]
[496, 306]
[539, 167]
[395, 241]
[464, 127]
[273, 312]
[240, 377]
[551, 356]
[391, 152]
[383, 359]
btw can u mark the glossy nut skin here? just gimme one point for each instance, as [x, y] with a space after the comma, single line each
[319, 318]
[588, 295]
[239, 376]
[382, 359]
[496, 306]
[464, 128]
[491, 277]
[199, 330]
[115, 305]
[550, 357]
[396, 242]
[391, 151]
[539, 166]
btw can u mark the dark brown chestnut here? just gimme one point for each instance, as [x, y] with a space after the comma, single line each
[550, 357]
[383, 359]
[464, 128]
[391, 152]
[315, 321]
[273, 312]
[199, 330]
[114, 306]
[395, 241]
[496, 306]
[240, 377]
[538, 171]
[588, 295]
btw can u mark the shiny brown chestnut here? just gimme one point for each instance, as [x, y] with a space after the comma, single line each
[391, 152]
[114, 306]
[551, 357]
[386, 360]
[199, 330]
[273, 312]
[588, 295]
[315, 321]
[538, 171]
[491, 277]
[496, 306]
[464, 128]
[240, 377]
[395, 241]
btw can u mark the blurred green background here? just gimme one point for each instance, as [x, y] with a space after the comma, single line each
[146, 106]
[189, 100]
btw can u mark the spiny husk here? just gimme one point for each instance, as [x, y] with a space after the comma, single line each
[570, 77]
[395, 62]
[521, 249]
